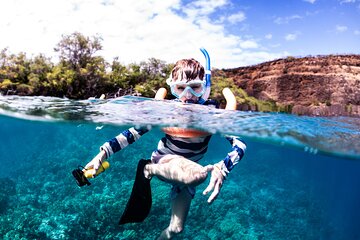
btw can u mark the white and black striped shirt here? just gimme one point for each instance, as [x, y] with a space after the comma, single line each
[190, 148]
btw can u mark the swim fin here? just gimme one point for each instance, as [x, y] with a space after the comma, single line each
[139, 203]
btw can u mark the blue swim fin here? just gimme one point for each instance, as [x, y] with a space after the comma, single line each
[139, 203]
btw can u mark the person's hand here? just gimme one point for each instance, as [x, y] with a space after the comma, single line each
[95, 163]
[215, 184]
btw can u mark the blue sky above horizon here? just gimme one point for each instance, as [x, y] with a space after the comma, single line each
[236, 33]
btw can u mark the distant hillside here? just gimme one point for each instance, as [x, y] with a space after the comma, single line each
[319, 85]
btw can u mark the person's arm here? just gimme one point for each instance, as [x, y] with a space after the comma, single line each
[115, 144]
[233, 157]
[122, 140]
[222, 168]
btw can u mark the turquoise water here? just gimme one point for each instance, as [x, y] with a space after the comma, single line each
[299, 178]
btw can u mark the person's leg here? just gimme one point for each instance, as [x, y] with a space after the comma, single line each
[177, 169]
[180, 206]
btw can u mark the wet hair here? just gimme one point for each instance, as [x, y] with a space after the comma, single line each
[187, 69]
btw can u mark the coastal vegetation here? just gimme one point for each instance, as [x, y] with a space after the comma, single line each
[81, 73]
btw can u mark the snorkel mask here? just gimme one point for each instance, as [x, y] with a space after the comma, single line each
[180, 89]
[198, 87]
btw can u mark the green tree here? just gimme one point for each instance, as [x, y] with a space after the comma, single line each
[78, 54]
[152, 76]
[40, 68]
[77, 50]
[59, 81]
[118, 79]
[14, 73]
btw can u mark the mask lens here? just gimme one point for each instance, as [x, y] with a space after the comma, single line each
[180, 89]
[196, 87]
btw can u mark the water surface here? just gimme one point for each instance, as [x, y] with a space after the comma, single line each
[299, 178]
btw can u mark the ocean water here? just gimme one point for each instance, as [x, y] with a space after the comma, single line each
[299, 179]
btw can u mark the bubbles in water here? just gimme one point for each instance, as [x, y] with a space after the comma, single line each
[311, 150]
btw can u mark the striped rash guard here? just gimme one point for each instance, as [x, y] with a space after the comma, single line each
[190, 148]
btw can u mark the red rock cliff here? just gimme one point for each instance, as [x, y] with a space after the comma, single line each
[321, 85]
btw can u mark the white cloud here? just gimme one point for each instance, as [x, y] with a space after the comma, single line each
[268, 36]
[202, 7]
[237, 17]
[310, 1]
[275, 45]
[347, 1]
[291, 36]
[132, 30]
[248, 44]
[250, 57]
[357, 32]
[341, 28]
[286, 20]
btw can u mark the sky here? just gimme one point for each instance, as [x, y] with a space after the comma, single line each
[236, 33]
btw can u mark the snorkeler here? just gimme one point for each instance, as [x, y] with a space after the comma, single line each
[176, 158]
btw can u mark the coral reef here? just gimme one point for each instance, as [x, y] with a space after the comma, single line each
[7, 189]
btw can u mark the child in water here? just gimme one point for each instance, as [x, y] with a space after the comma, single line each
[176, 158]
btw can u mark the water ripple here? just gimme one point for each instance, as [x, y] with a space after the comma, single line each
[335, 135]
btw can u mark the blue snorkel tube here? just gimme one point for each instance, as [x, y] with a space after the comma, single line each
[206, 94]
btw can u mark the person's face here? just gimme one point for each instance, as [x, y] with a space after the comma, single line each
[188, 91]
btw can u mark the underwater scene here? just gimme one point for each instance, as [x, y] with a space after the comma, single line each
[299, 179]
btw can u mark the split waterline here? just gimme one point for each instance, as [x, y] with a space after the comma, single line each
[298, 179]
